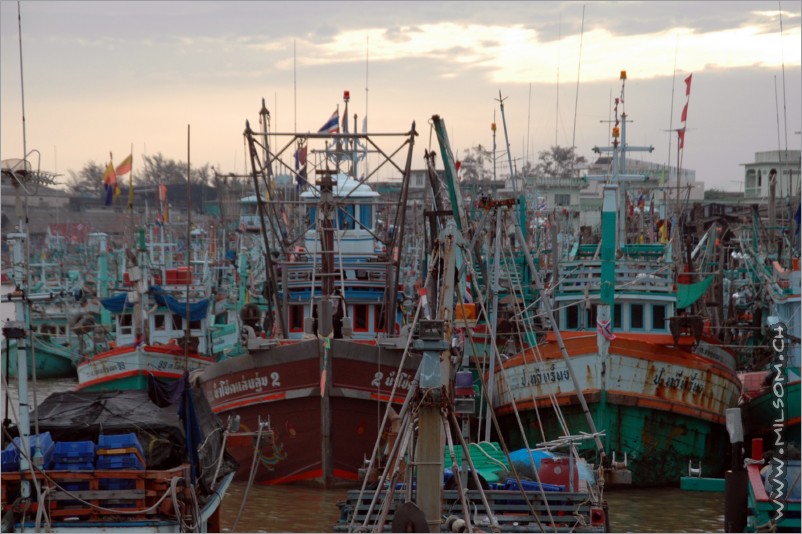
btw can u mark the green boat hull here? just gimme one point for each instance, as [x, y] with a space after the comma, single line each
[659, 445]
[759, 414]
[51, 362]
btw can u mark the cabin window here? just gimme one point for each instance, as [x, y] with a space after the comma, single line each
[658, 317]
[126, 323]
[346, 217]
[572, 316]
[221, 318]
[159, 322]
[311, 218]
[366, 216]
[195, 325]
[562, 199]
[297, 318]
[636, 316]
[618, 321]
[178, 322]
[360, 317]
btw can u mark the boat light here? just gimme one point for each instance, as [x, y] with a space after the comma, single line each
[623, 75]
[346, 95]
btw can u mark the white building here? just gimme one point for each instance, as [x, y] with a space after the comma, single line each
[786, 163]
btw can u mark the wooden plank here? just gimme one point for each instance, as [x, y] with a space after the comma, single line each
[89, 495]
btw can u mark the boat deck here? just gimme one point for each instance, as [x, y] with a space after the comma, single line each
[571, 512]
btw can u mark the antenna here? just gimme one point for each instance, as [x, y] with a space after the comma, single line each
[557, 106]
[294, 90]
[576, 102]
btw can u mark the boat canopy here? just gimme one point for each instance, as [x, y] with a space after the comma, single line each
[687, 294]
[345, 187]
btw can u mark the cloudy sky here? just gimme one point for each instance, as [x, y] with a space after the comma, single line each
[102, 77]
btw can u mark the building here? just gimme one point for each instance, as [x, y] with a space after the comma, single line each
[786, 164]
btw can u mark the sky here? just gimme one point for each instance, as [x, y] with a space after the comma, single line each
[108, 77]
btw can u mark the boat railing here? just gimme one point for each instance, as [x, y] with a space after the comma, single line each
[630, 276]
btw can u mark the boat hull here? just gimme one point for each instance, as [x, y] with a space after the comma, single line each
[52, 361]
[283, 385]
[760, 415]
[663, 407]
[129, 367]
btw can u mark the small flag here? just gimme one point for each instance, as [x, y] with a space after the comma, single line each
[300, 165]
[333, 124]
[162, 192]
[605, 330]
[109, 177]
[688, 85]
[125, 167]
[681, 134]
[684, 116]
[109, 183]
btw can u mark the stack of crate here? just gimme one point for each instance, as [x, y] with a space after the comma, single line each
[74, 456]
[122, 452]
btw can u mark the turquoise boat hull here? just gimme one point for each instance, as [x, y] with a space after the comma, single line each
[659, 445]
[52, 361]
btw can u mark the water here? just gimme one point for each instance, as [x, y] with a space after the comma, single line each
[289, 509]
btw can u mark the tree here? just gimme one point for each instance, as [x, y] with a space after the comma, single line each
[473, 163]
[558, 162]
[88, 181]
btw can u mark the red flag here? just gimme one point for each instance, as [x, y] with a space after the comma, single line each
[681, 134]
[162, 192]
[684, 116]
[125, 167]
[688, 85]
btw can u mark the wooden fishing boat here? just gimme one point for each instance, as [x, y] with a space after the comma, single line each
[323, 351]
[117, 461]
[174, 319]
[653, 375]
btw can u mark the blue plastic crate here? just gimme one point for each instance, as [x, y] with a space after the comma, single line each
[73, 486]
[109, 484]
[74, 466]
[10, 459]
[46, 446]
[119, 461]
[119, 441]
[74, 451]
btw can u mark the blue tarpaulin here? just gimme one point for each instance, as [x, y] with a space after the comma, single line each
[197, 310]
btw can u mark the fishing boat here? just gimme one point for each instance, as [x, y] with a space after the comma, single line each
[173, 318]
[426, 477]
[114, 461]
[43, 296]
[324, 355]
[764, 288]
[654, 378]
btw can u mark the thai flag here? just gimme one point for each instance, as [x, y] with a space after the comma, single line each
[333, 124]
[604, 329]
